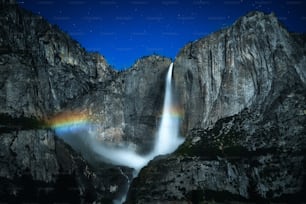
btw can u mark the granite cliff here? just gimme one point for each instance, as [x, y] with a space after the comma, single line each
[44, 74]
[42, 70]
[241, 89]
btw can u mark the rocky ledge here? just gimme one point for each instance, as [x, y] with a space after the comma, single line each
[242, 91]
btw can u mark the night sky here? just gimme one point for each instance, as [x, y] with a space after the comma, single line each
[124, 31]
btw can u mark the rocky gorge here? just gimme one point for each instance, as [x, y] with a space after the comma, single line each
[241, 93]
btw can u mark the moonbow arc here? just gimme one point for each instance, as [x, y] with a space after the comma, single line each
[79, 129]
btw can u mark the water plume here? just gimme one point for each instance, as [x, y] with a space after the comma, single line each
[168, 133]
[81, 133]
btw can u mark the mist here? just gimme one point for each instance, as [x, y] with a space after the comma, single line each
[84, 138]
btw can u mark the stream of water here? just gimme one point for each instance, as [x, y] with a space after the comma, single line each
[167, 138]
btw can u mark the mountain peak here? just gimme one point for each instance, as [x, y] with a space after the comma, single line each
[258, 18]
[240, 99]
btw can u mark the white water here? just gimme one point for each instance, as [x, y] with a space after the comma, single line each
[167, 138]
[168, 133]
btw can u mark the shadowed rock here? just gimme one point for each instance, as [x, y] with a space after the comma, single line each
[242, 90]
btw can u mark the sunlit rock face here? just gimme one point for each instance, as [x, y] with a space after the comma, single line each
[242, 90]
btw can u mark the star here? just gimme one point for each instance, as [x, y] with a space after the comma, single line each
[178, 22]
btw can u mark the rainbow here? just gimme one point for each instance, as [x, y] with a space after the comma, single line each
[174, 111]
[69, 122]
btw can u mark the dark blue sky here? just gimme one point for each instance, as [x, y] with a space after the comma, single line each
[124, 31]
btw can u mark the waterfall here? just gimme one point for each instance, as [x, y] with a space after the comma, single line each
[168, 133]
[167, 138]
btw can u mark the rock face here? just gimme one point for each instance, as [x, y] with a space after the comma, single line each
[242, 90]
[43, 72]
[50, 71]
[127, 110]
[244, 66]
[143, 99]
[37, 167]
